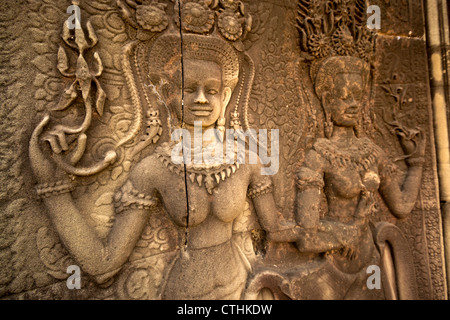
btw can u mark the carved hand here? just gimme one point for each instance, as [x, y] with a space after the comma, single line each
[44, 169]
[413, 141]
[350, 253]
[365, 208]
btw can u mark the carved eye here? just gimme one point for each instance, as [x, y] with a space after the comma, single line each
[341, 94]
[189, 90]
[344, 96]
[347, 97]
[212, 92]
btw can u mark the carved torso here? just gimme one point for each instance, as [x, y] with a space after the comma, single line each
[212, 210]
[344, 171]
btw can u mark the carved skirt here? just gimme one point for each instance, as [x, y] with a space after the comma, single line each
[215, 273]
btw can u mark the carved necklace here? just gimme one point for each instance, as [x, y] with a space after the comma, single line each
[361, 155]
[209, 175]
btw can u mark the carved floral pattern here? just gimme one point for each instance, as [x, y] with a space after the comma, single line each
[152, 17]
[403, 95]
[319, 45]
[327, 23]
[275, 103]
[230, 25]
[196, 17]
[343, 42]
[230, 4]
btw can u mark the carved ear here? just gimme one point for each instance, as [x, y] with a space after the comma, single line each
[226, 97]
[326, 97]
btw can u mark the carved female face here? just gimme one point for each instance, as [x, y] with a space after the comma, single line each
[205, 97]
[344, 101]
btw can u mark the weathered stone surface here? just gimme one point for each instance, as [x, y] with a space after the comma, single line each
[90, 176]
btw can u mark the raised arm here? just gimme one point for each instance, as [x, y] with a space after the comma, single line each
[99, 258]
[401, 196]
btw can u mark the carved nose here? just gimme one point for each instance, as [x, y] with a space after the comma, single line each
[353, 101]
[201, 98]
[353, 104]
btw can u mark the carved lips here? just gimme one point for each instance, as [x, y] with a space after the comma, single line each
[201, 111]
[352, 111]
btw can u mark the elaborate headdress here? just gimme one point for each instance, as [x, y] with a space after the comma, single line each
[335, 65]
[168, 47]
[225, 17]
[334, 29]
[210, 30]
[334, 38]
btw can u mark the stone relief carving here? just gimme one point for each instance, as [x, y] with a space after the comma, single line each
[211, 72]
[393, 72]
[109, 97]
[343, 171]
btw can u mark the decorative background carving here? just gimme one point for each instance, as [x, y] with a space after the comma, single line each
[402, 85]
[33, 260]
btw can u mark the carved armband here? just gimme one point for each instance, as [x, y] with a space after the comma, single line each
[47, 190]
[129, 198]
[415, 162]
[260, 189]
[387, 169]
[309, 179]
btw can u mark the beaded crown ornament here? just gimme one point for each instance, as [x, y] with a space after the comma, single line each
[334, 29]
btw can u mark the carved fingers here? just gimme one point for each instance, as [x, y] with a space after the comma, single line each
[350, 238]
[365, 207]
[411, 140]
[79, 150]
[42, 167]
[45, 169]
[421, 143]
[58, 143]
[57, 140]
[350, 253]
[98, 167]
[34, 141]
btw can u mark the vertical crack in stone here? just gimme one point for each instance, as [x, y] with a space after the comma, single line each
[186, 231]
